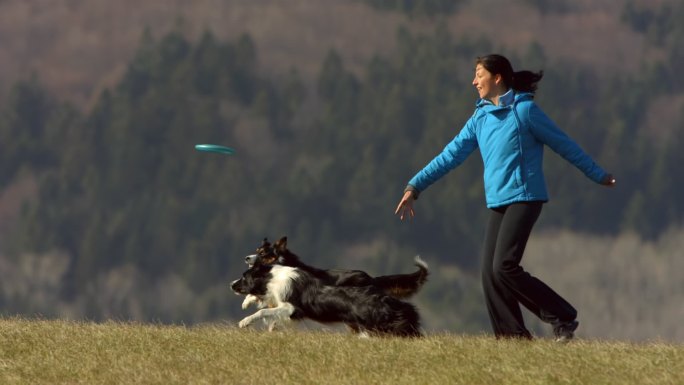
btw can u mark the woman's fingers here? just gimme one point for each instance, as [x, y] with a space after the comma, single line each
[401, 203]
[404, 206]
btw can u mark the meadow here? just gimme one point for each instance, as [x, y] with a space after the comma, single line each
[35, 351]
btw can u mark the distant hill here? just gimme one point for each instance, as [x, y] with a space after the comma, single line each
[79, 47]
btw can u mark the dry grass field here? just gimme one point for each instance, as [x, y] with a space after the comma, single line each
[67, 352]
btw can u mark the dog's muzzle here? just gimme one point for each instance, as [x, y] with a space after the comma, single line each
[235, 286]
[251, 259]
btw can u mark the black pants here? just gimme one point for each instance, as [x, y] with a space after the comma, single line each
[506, 285]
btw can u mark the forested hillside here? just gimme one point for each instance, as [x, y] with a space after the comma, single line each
[111, 202]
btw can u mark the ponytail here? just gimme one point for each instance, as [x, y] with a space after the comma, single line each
[522, 81]
[526, 81]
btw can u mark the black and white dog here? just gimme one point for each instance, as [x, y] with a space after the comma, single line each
[397, 285]
[293, 293]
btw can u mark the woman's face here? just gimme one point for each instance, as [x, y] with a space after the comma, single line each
[488, 86]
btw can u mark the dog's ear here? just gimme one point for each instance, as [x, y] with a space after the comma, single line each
[265, 246]
[281, 244]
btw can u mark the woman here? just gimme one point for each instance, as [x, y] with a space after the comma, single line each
[510, 130]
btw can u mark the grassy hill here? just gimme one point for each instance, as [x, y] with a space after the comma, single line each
[59, 352]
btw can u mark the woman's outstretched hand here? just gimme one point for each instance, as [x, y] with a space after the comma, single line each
[609, 180]
[405, 206]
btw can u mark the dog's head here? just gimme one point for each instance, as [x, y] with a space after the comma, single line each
[268, 254]
[253, 281]
[265, 255]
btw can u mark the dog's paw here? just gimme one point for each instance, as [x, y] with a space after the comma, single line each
[364, 335]
[249, 299]
[244, 322]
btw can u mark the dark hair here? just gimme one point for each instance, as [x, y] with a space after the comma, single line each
[523, 81]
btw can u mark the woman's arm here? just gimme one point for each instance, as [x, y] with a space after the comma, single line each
[547, 132]
[453, 154]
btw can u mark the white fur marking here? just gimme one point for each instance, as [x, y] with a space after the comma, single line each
[419, 261]
[280, 284]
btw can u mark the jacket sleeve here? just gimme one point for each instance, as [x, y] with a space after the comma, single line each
[547, 132]
[453, 155]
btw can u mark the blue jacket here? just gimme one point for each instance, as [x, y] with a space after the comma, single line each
[511, 139]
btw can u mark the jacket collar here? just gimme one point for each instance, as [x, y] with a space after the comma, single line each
[507, 98]
[505, 101]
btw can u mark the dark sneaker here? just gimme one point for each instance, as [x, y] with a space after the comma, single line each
[564, 332]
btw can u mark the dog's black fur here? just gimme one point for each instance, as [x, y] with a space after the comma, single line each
[398, 285]
[295, 293]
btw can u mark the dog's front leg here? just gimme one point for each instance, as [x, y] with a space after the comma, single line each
[249, 319]
[281, 312]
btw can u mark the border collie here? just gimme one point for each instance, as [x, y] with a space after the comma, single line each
[296, 294]
[398, 285]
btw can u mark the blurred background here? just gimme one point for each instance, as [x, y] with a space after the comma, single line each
[108, 212]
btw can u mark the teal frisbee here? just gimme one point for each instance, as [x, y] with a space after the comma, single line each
[215, 148]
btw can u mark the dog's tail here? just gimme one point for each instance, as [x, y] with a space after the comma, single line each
[404, 285]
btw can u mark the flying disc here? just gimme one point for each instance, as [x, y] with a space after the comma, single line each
[214, 148]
